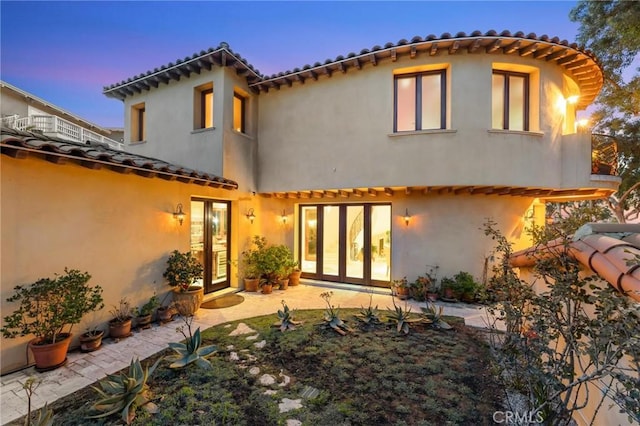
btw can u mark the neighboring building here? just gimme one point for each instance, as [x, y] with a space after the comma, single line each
[376, 164]
[23, 111]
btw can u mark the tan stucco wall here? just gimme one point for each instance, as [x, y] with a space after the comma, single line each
[445, 230]
[118, 227]
[337, 132]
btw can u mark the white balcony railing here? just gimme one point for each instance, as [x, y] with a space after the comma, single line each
[60, 127]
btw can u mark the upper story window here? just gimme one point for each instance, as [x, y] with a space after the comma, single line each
[239, 112]
[138, 122]
[420, 101]
[203, 106]
[510, 100]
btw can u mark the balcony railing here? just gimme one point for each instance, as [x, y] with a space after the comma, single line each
[61, 127]
[604, 155]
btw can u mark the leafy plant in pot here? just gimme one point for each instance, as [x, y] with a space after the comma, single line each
[182, 270]
[248, 264]
[272, 262]
[144, 314]
[120, 324]
[91, 340]
[47, 307]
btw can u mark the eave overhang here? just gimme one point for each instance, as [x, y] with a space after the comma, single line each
[580, 64]
[546, 194]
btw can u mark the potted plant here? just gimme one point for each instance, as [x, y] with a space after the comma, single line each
[120, 324]
[248, 265]
[144, 314]
[466, 286]
[165, 313]
[46, 308]
[448, 287]
[294, 276]
[272, 262]
[400, 288]
[91, 340]
[182, 270]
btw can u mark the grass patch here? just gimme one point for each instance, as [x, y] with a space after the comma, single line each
[372, 376]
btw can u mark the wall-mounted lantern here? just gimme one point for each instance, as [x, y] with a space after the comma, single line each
[407, 217]
[251, 215]
[283, 217]
[179, 214]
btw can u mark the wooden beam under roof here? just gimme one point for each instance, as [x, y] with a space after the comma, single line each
[314, 75]
[372, 192]
[407, 190]
[541, 53]
[300, 78]
[357, 63]
[454, 47]
[317, 194]
[357, 193]
[494, 46]
[330, 194]
[193, 67]
[474, 45]
[557, 55]
[512, 47]
[528, 50]
[413, 52]
[373, 59]
[388, 192]
[341, 67]
[567, 59]
[462, 189]
[394, 55]
[343, 193]
[204, 64]
[434, 49]
[576, 64]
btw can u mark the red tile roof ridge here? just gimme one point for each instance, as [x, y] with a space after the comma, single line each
[609, 250]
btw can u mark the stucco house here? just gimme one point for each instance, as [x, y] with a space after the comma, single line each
[375, 164]
[370, 166]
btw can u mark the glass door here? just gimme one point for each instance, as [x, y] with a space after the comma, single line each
[346, 242]
[210, 221]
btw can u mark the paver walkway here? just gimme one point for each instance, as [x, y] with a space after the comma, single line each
[83, 369]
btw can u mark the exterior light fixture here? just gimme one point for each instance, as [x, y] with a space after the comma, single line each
[283, 217]
[250, 215]
[179, 214]
[407, 218]
[573, 99]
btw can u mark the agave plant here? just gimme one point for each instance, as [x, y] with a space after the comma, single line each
[331, 317]
[190, 351]
[433, 316]
[285, 315]
[369, 315]
[124, 393]
[402, 317]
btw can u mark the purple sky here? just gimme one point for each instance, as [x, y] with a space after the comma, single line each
[66, 52]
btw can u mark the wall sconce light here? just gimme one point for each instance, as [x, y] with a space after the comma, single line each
[179, 214]
[250, 215]
[283, 217]
[573, 99]
[407, 218]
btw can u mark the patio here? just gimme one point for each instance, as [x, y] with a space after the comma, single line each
[83, 369]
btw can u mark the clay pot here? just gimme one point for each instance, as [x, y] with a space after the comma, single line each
[50, 356]
[294, 277]
[283, 284]
[267, 288]
[143, 321]
[165, 314]
[119, 329]
[188, 302]
[90, 342]
[251, 284]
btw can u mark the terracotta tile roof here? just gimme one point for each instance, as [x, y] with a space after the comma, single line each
[607, 249]
[578, 62]
[20, 144]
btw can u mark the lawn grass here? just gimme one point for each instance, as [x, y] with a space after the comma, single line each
[372, 376]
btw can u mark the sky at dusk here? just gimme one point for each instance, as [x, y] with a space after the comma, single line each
[66, 52]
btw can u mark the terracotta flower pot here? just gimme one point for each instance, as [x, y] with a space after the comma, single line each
[189, 301]
[91, 342]
[294, 277]
[118, 329]
[165, 314]
[267, 288]
[143, 321]
[283, 284]
[49, 356]
[251, 284]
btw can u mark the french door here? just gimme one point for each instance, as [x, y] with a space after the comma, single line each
[346, 242]
[210, 221]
